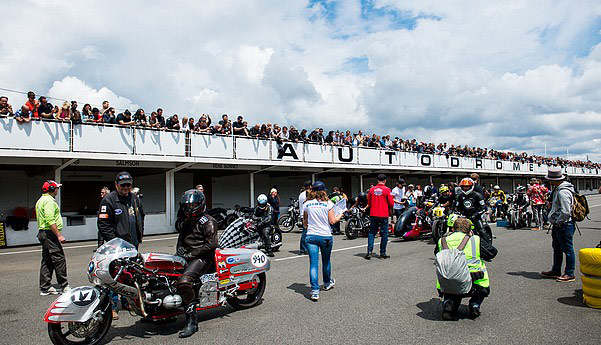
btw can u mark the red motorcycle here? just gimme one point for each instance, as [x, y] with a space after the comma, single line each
[84, 315]
[415, 222]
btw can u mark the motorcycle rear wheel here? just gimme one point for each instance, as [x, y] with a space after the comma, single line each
[492, 217]
[60, 336]
[252, 296]
[230, 219]
[351, 230]
[285, 223]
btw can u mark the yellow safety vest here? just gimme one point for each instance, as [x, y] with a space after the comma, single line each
[472, 254]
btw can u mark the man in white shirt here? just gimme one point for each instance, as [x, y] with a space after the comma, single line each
[398, 193]
[302, 197]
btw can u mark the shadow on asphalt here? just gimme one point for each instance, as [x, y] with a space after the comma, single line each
[529, 275]
[146, 330]
[575, 300]
[302, 289]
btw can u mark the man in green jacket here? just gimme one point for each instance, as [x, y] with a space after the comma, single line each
[50, 223]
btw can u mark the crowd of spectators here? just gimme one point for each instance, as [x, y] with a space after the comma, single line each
[41, 108]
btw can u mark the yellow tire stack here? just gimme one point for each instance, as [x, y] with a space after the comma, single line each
[590, 266]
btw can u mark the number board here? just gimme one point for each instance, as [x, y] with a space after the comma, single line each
[2, 235]
[258, 259]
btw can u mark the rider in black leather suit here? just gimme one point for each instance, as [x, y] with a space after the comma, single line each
[196, 243]
[262, 218]
[471, 205]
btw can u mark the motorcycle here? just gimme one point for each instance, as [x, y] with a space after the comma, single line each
[292, 218]
[83, 315]
[357, 223]
[415, 222]
[219, 214]
[243, 232]
[439, 223]
[239, 211]
[519, 216]
[495, 210]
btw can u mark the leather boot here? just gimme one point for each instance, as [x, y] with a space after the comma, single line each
[191, 322]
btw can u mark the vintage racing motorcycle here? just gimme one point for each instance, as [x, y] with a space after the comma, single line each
[292, 218]
[242, 232]
[84, 315]
[357, 223]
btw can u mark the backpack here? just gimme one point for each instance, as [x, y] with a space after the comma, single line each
[451, 269]
[580, 208]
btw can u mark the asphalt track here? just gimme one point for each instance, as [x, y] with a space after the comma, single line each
[390, 301]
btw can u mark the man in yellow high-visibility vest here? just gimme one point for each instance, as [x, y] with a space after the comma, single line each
[50, 224]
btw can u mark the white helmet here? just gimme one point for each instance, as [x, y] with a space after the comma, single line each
[262, 200]
[496, 187]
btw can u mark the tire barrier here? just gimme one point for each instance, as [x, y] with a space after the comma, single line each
[590, 266]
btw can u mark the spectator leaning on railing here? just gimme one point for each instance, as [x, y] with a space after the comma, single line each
[45, 108]
[173, 122]
[124, 118]
[5, 108]
[75, 114]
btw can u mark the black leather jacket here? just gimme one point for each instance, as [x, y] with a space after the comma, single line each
[113, 217]
[198, 239]
[262, 216]
[470, 205]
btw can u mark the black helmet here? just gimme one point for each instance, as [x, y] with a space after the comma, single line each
[362, 196]
[520, 189]
[400, 181]
[193, 203]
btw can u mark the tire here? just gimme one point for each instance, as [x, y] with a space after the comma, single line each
[590, 261]
[230, 219]
[437, 230]
[285, 223]
[253, 297]
[276, 237]
[592, 286]
[55, 331]
[351, 229]
[405, 225]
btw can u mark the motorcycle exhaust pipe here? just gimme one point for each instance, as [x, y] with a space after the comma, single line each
[140, 300]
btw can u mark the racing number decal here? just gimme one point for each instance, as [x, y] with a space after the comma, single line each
[83, 297]
[259, 259]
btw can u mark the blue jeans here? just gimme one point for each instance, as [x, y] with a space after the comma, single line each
[314, 245]
[563, 243]
[303, 241]
[378, 223]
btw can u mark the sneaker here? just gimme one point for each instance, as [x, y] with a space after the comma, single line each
[115, 315]
[66, 289]
[565, 278]
[535, 229]
[51, 291]
[368, 256]
[315, 296]
[384, 256]
[330, 285]
[447, 310]
[475, 310]
[550, 274]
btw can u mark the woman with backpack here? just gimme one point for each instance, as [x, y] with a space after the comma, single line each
[475, 284]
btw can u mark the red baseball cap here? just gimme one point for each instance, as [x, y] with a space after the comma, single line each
[50, 184]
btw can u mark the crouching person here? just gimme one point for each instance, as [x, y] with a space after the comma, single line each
[460, 270]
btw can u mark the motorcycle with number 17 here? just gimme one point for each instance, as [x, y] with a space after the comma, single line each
[147, 281]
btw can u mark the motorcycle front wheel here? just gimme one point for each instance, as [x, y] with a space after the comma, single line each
[250, 298]
[90, 332]
[351, 230]
[437, 230]
[285, 223]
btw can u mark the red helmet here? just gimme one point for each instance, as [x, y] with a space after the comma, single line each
[467, 185]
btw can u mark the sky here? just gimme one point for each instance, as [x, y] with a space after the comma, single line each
[510, 75]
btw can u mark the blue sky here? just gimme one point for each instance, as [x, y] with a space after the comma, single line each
[512, 75]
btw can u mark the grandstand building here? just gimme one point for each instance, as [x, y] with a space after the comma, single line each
[233, 170]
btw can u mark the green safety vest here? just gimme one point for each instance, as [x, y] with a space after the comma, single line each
[472, 254]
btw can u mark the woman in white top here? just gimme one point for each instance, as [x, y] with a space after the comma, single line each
[318, 215]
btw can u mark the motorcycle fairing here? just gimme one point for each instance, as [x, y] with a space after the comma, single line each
[77, 305]
[235, 266]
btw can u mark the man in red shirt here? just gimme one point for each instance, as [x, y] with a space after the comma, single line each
[32, 104]
[380, 203]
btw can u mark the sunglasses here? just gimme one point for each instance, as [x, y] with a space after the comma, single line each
[125, 185]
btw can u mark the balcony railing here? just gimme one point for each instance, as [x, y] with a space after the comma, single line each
[49, 135]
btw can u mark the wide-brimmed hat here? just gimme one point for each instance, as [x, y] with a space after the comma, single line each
[555, 174]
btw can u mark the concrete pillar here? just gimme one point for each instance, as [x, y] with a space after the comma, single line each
[170, 198]
[252, 190]
[361, 184]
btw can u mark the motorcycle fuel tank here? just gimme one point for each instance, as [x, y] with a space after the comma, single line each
[239, 265]
[163, 262]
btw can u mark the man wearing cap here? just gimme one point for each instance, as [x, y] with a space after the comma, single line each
[380, 203]
[562, 233]
[121, 213]
[50, 223]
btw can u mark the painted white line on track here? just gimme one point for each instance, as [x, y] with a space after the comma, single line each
[594, 206]
[82, 246]
[335, 250]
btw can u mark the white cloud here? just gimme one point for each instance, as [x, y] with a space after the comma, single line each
[510, 75]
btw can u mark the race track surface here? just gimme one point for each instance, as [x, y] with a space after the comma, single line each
[390, 301]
